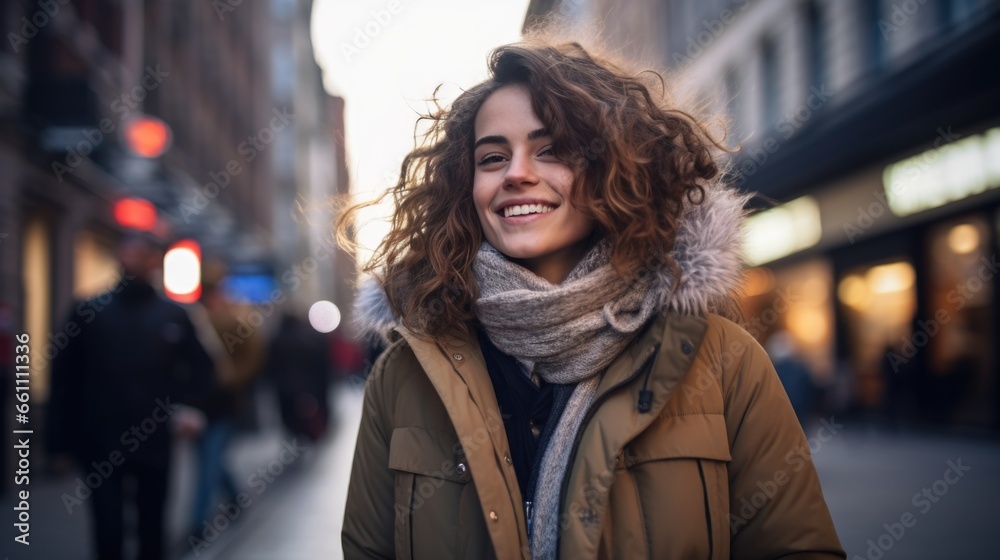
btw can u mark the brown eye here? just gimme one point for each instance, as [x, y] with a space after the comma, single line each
[492, 158]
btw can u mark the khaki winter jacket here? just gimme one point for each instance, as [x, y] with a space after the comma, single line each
[717, 468]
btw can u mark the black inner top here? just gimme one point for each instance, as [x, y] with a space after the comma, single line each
[524, 407]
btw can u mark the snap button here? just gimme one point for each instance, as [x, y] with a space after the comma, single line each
[506, 458]
[494, 516]
[686, 347]
[620, 459]
[458, 357]
[535, 431]
[461, 468]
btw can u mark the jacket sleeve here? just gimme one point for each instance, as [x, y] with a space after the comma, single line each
[369, 518]
[776, 504]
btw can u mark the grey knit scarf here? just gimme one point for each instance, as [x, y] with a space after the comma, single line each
[569, 333]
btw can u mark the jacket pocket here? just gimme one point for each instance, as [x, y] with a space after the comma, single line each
[677, 470]
[420, 451]
[431, 478]
[700, 436]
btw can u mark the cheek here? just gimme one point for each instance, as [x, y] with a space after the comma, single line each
[579, 224]
[481, 197]
[561, 181]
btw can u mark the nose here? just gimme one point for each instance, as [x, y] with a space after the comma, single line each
[521, 171]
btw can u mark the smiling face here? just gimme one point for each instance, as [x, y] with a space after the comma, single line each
[522, 190]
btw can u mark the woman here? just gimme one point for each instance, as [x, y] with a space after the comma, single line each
[561, 380]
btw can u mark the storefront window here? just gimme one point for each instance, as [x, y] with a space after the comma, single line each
[793, 302]
[958, 323]
[879, 303]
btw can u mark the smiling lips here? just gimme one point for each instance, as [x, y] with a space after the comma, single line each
[524, 209]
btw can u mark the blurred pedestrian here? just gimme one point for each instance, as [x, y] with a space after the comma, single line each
[299, 367]
[239, 357]
[347, 356]
[115, 386]
[793, 373]
[561, 379]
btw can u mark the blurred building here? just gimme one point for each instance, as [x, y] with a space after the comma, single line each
[310, 168]
[873, 128]
[75, 77]
[248, 137]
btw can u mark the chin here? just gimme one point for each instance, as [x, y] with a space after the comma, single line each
[522, 250]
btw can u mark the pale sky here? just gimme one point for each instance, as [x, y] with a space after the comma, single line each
[386, 65]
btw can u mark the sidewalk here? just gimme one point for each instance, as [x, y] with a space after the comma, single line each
[57, 533]
[912, 497]
[303, 520]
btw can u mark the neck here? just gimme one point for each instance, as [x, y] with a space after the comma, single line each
[555, 267]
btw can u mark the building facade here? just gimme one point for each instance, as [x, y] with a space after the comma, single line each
[869, 128]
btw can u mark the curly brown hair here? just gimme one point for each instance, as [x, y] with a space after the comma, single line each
[635, 159]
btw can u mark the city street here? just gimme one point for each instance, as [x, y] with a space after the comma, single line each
[872, 480]
[217, 209]
[297, 511]
[874, 485]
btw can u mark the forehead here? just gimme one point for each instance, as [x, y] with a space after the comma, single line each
[507, 111]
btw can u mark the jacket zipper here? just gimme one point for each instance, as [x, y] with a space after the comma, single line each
[590, 413]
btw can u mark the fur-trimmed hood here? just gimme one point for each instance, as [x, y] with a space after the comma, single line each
[708, 250]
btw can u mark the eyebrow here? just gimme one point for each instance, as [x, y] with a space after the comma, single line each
[497, 139]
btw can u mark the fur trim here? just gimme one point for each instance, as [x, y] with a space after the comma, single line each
[708, 251]
[373, 314]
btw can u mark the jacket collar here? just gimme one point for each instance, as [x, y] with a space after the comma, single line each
[457, 369]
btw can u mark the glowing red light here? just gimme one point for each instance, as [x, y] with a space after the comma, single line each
[147, 136]
[135, 213]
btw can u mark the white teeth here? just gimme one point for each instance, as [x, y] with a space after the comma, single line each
[526, 209]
